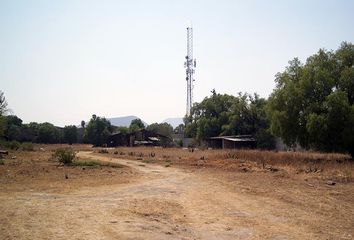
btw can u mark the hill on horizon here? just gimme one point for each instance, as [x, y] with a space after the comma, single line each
[174, 122]
[124, 121]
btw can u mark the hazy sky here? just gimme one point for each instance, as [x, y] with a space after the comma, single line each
[62, 61]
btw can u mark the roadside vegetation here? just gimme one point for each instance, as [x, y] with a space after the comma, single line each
[319, 165]
[312, 106]
[68, 157]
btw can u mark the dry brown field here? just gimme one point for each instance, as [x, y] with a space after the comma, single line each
[158, 193]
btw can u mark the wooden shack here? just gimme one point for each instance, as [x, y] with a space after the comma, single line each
[141, 137]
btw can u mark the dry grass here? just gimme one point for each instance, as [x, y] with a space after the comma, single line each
[286, 191]
[334, 166]
[23, 170]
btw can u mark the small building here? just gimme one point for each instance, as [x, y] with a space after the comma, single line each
[118, 139]
[232, 142]
[141, 137]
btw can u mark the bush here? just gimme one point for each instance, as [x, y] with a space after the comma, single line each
[65, 155]
[27, 146]
[13, 145]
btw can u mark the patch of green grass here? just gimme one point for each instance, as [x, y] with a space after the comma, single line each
[88, 163]
[95, 163]
[2, 162]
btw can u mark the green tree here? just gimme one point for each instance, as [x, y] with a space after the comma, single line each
[122, 129]
[2, 126]
[179, 129]
[70, 134]
[136, 125]
[13, 128]
[222, 114]
[30, 132]
[161, 128]
[48, 133]
[83, 124]
[312, 103]
[98, 130]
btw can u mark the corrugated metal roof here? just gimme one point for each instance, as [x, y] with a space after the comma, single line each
[236, 138]
[239, 139]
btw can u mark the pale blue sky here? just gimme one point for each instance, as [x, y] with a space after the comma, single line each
[62, 61]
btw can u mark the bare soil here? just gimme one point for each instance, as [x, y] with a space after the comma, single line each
[164, 198]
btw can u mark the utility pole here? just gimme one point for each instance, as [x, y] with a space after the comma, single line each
[189, 64]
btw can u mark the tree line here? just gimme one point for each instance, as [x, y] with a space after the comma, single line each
[312, 106]
[95, 132]
[225, 115]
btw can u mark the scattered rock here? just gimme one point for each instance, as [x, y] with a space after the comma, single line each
[331, 183]
[13, 157]
[66, 176]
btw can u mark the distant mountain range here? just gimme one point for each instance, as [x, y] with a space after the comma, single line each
[125, 121]
[174, 122]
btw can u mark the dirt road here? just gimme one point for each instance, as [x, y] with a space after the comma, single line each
[165, 203]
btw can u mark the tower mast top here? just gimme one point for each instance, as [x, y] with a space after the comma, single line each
[190, 65]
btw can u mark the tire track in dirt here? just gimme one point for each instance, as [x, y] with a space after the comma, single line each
[180, 204]
[165, 203]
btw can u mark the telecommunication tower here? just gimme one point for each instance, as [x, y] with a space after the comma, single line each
[189, 64]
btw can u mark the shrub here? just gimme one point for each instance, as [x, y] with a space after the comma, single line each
[27, 146]
[65, 155]
[13, 145]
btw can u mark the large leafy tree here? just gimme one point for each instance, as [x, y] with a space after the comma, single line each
[136, 124]
[30, 132]
[70, 134]
[312, 103]
[13, 127]
[98, 130]
[161, 128]
[222, 114]
[164, 129]
[48, 133]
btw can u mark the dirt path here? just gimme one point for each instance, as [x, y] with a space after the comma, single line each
[167, 203]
